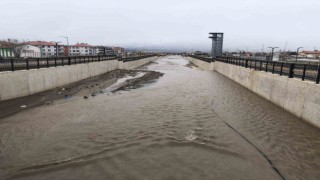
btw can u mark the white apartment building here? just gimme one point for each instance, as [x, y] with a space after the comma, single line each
[81, 49]
[30, 51]
[48, 49]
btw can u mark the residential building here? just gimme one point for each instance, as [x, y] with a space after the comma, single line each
[29, 51]
[311, 54]
[48, 49]
[7, 49]
[119, 51]
[82, 49]
[6, 52]
[104, 50]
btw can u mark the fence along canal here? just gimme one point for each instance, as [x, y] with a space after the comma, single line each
[37, 63]
[309, 72]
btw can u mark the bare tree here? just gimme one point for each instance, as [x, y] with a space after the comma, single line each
[17, 51]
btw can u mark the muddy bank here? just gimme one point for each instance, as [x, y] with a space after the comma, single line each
[191, 65]
[148, 77]
[86, 88]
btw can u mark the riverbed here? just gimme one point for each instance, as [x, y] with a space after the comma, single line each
[188, 124]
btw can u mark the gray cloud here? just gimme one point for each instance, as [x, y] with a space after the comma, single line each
[182, 24]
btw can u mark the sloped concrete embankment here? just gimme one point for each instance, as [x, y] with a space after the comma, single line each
[134, 64]
[202, 64]
[27, 82]
[301, 98]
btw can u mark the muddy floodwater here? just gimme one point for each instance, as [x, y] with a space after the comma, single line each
[189, 124]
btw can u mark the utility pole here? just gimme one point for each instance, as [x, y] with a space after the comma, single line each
[298, 53]
[56, 47]
[272, 51]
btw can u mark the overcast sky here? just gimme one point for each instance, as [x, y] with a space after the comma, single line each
[182, 24]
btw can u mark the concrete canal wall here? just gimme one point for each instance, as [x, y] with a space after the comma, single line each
[14, 84]
[137, 63]
[202, 64]
[301, 98]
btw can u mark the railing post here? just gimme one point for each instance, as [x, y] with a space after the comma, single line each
[27, 63]
[304, 72]
[69, 61]
[255, 65]
[38, 64]
[267, 66]
[48, 63]
[281, 69]
[291, 70]
[318, 76]
[246, 63]
[260, 65]
[274, 63]
[62, 61]
[55, 62]
[12, 65]
[99, 58]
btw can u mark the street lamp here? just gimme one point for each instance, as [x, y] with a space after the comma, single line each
[272, 51]
[298, 53]
[66, 38]
[56, 47]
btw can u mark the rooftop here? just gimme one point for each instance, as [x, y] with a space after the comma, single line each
[40, 43]
[81, 45]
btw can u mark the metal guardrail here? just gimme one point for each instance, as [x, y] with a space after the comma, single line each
[127, 59]
[37, 63]
[202, 58]
[292, 70]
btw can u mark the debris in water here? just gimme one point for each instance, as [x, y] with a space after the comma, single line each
[191, 136]
[85, 97]
[23, 106]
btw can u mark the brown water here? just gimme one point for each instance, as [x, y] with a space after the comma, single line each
[190, 124]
